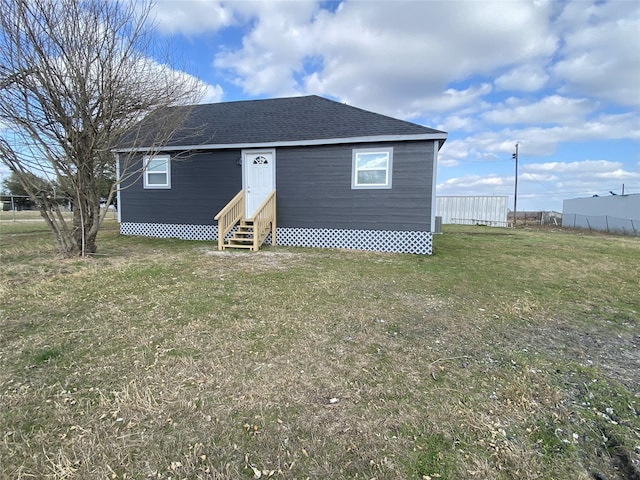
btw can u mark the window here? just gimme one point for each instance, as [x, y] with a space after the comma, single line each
[372, 168]
[157, 172]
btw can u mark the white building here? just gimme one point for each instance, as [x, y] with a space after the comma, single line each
[479, 210]
[615, 213]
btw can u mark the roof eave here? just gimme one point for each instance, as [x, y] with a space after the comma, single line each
[442, 136]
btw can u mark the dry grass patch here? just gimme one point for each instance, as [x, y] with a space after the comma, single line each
[167, 359]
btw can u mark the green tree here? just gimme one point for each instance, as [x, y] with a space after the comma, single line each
[14, 187]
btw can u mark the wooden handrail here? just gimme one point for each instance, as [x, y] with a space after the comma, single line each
[229, 216]
[264, 218]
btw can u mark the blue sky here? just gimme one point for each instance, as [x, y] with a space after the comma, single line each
[561, 78]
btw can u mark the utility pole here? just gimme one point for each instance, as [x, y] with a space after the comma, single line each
[515, 192]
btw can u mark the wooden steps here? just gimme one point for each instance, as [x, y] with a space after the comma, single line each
[242, 237]
[247, 234]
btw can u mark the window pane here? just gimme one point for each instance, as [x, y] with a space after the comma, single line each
[372, 168]
[372, 177]
[372, 161]
[157, 173]
[157, 178]
[157, 165]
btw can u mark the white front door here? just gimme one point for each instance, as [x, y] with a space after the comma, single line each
[259, 175]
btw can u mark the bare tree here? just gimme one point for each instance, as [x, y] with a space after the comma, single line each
[76, 78]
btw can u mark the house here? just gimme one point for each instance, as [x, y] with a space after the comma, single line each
[301, 171]
[614, 213]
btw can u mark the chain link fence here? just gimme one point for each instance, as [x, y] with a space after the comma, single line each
[603, 223]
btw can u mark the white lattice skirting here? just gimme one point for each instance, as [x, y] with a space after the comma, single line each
[374, 240]
[168, 230]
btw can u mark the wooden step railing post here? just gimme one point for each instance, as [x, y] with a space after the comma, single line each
[264, 218]
[231, 214]
[273, 223]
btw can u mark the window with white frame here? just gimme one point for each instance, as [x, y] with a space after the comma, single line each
[372, 168]
[157, 171]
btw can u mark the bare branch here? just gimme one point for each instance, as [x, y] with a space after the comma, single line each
[76, 76]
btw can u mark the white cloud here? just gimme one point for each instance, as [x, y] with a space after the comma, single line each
[201, 91]
[447, 162]
[382, 55]
[600, 53]
[552, 109]
[191, 17]
[450, 99]
[530, 77]
[456, 123]
[454, 150]
[618, 174]
[542, 141]
[476, 185]
[274, 51]
[595, 172]
[389, 56]
[537, 177]
[212, 94]
[475, 181]
[404, 58]
[589, 167]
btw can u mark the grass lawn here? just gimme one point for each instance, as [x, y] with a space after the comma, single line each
[509, 354]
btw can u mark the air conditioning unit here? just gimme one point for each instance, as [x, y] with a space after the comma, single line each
[438, 226]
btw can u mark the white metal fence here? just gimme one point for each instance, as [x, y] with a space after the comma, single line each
[472, 210]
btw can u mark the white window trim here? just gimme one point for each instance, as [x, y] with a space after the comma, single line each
[354, 168]
[145, 162]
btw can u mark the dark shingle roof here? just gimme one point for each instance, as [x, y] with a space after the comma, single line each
[295, 120]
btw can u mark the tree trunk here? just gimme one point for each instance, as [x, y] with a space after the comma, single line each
[86, 219]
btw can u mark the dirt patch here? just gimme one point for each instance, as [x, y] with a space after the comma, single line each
[260, 261]
[618, 356]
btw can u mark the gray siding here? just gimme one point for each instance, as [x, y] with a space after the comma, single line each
[313, 184]
[201, 185]
[314, 189]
